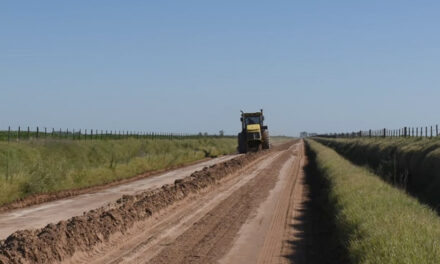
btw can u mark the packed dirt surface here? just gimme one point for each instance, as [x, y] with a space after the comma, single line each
[242, 210]
[40, 215]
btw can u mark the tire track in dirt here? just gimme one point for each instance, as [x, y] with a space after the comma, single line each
[149, 237]
[262, 237]
[212, 237]
[38, 216]
[273, 250]
[57, 242]
[197, 219]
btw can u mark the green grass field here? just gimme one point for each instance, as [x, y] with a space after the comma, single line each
[47, 166]
[377, 222]
[275, 140]
[412, 163]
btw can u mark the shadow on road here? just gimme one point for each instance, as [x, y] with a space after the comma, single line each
[315, 239]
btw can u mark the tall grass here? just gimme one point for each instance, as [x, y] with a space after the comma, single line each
[45, 166]
[377, 222]
[412, 163]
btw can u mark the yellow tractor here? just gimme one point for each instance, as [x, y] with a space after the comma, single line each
[254, 135]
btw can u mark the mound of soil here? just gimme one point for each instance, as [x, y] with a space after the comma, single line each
[57, 242]
[48, 197]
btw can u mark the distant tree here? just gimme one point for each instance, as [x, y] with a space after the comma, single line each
[205, 134]
[221, 133]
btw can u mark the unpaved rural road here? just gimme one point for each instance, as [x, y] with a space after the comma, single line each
[249, 216]
[38, 216]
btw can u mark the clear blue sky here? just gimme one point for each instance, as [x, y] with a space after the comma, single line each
[189, 66]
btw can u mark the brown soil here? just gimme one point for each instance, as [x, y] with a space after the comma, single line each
[56, 242]
[212, 236]
[254, 208]
[48, 197]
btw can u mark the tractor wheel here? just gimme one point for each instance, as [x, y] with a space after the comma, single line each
[242, 143]
[265, 136]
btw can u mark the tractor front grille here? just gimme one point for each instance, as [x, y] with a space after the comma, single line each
[254, 136]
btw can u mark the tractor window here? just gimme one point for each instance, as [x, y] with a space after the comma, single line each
[250, 120]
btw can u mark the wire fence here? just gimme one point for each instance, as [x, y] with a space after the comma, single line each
[27, 133]
[421, 132]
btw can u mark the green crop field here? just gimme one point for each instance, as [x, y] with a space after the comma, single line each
[376, 222]
[47, 166]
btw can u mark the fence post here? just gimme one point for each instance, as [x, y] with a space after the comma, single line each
[28, 133]
[426, 131]
[38, 131]
[384, 132]
[431, 131]
[369, 133]
[436, 130]
[45, 132]
[18, 135]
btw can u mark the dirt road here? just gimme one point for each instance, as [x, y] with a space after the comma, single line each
[243, 210]
[246, 218]
[40, 215]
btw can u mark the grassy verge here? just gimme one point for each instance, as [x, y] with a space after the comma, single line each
[276, 140]
[377, 222]
[407, 162]
[47, 166]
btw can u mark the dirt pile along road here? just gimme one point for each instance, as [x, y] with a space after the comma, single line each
[238, 211]
[40, 215]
